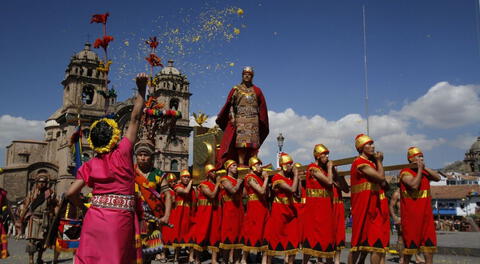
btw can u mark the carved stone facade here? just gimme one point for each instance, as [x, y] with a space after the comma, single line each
[472, 157]
[83, 99]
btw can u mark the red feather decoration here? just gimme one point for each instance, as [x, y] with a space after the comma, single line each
[102, 42]
[100, 18]
[152, 42]
[154, 60]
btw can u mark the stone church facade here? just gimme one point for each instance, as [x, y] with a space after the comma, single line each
[84, 100]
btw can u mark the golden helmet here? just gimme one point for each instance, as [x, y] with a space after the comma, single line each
[284, 160]
[361, 140]
[253, 161]
[184, 173]
[171, 177]
[412, 152]
[228, 163]
[297, 164]
[209, 168]
[248, 69]
[320, 149]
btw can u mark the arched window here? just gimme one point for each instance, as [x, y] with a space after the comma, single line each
[174, 102]
[89, 72]
[87, 95]
[174, 165]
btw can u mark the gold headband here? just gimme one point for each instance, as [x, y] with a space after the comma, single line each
[209, 168]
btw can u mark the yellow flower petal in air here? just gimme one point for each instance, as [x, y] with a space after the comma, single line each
[126, 43]
[236, 31]
[231, 64]
[240, 12]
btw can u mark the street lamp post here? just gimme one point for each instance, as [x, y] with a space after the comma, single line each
[280, 140]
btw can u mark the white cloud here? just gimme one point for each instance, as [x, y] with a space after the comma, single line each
[446, 106]
[463, 141]
[302, 133]
[16, 128]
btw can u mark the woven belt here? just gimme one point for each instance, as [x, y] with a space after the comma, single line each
[252, 197]
[318, 193]
[183, 203]
[337, 200]
[365, 186]
[227, 198]
[281, 200]
[114, 201]
[204, 202]
[302, 200]
[416, 194]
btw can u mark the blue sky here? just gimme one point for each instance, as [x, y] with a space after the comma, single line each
[423, 64]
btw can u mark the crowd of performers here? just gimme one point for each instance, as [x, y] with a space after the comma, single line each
[138, 212]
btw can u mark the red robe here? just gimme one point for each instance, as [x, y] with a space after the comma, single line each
[319, 236]
[281, 232]
[417, 216]
[181, 217]
[203, 222]
[255, 218]
[371, 221]
[168, 232]
[227, 146]
[232, 216]
[300, 204]
[339, 218]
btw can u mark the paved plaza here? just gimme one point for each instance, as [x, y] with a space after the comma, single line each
[454, 247]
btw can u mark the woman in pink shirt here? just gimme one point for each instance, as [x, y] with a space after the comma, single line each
[109, 229]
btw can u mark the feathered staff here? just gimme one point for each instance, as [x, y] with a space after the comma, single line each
[104, 66]
[157, 118]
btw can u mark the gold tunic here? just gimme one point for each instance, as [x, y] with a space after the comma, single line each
[245, 108]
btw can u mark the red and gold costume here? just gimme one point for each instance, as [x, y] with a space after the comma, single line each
[281, 232]
[338, 218]
[181, 217]
[232, 216]
[249, 107]
[206, 220]
[255, 218]
[319, 237]
[300, 204]
[371, 221]
[416, 213]
[168, 232]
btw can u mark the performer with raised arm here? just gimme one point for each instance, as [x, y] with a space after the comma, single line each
[149, 185]
[418, 227]
[205, 230]
[232, 212]
[183, 213]
[319, 236]
[110, 231]
[281, 232]
[371, 225]
[244, 120]
[256, 182]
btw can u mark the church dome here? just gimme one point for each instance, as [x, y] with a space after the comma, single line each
[86, 53]
[475, 146]
[170, 69]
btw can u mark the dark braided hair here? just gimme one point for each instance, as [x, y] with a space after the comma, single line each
[101, 134]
